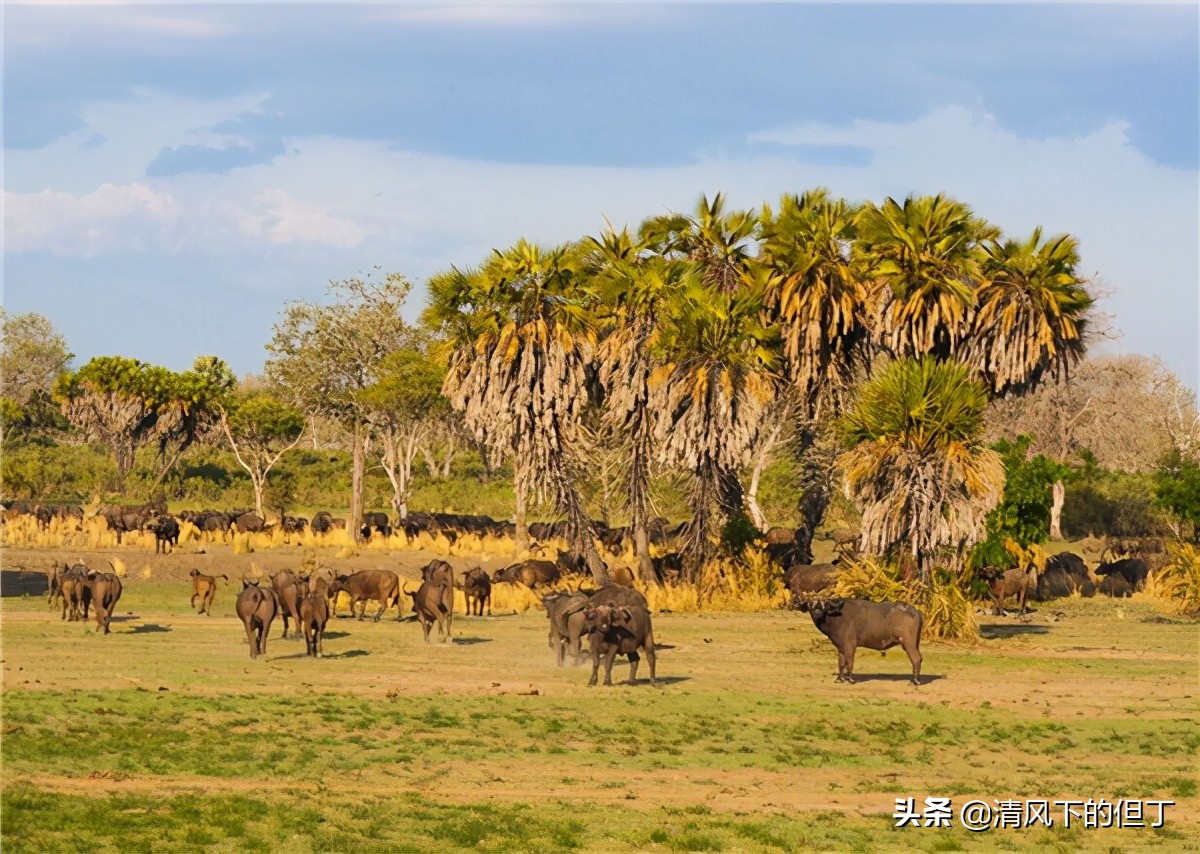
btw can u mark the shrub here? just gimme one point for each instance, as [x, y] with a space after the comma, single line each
[949, 612]
[1178, 580]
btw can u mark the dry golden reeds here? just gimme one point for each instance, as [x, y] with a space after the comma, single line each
[1177, 582]
[949, 613]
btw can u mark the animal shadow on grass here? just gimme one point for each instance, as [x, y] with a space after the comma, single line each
[336, 635]
[19, 582]
[147, 628]
[993, 631]
[664, 680]
[926, 678]
[470, 641]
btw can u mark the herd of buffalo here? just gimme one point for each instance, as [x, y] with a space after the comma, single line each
[615, 619]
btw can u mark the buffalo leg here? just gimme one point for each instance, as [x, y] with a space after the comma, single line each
[633, 666]
[251, 639]
[914, 655]
[595, 665]
[608, 664]
[383, 605]
[650, 659]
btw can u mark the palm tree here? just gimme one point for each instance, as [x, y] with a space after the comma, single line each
[924, 258]
[518, 372]
[634, 286]
[1032, 312]
[713, 383]
[917, 465]
[720, 244]
[816, 294]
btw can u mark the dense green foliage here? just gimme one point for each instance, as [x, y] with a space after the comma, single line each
[1177, 487]
[1023, 514]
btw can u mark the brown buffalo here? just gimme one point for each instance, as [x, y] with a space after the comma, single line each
[477, 589]
[568, 623]
[256, 606]
[103, 589]
[429, 604]
[619, 630]
[531, 573]
[1012, 582]
[72, 586]
[804, 579]
[314, 614]
[851, 623]
[289, 589]
[379, 585]
[204, 588]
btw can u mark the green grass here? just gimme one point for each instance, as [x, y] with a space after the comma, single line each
[175, 740]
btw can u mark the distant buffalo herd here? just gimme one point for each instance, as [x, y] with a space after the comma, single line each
[614, 619]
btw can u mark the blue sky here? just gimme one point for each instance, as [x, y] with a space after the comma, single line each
[175, 173]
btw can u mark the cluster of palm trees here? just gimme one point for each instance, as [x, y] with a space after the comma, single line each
[688, 342]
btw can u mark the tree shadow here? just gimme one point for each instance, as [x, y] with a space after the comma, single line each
[992, 631]
[149, 628]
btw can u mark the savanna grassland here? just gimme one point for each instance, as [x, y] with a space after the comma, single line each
[165, 735]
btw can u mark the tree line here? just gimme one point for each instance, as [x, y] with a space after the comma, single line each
[877, 344]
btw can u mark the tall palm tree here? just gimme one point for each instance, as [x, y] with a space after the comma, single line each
[634, 286]
[917, 464]
[518, 371]
[817, 294]
[1031, 314]
[924, 258]
[713, 383]
[720, 244]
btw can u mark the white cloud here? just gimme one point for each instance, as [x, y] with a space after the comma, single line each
[281, 219]
[112, 218]
[364, 203]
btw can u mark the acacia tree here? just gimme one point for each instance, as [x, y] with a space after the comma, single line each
[260, 429]
[523, 339]
[32, 355]
[324, 356]
[403, 406]
[126, 404]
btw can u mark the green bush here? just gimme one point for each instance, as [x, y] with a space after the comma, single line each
[46, 471]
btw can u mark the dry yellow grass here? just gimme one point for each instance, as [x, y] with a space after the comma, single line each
[1177, 583]
[949, 613]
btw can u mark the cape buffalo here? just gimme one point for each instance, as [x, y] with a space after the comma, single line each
[851, 623]
[256, 607]
[619, 630]
[381, 585]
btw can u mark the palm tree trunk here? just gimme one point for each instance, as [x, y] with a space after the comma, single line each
[522, 532]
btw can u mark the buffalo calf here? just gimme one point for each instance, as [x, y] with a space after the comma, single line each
[204, 588]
